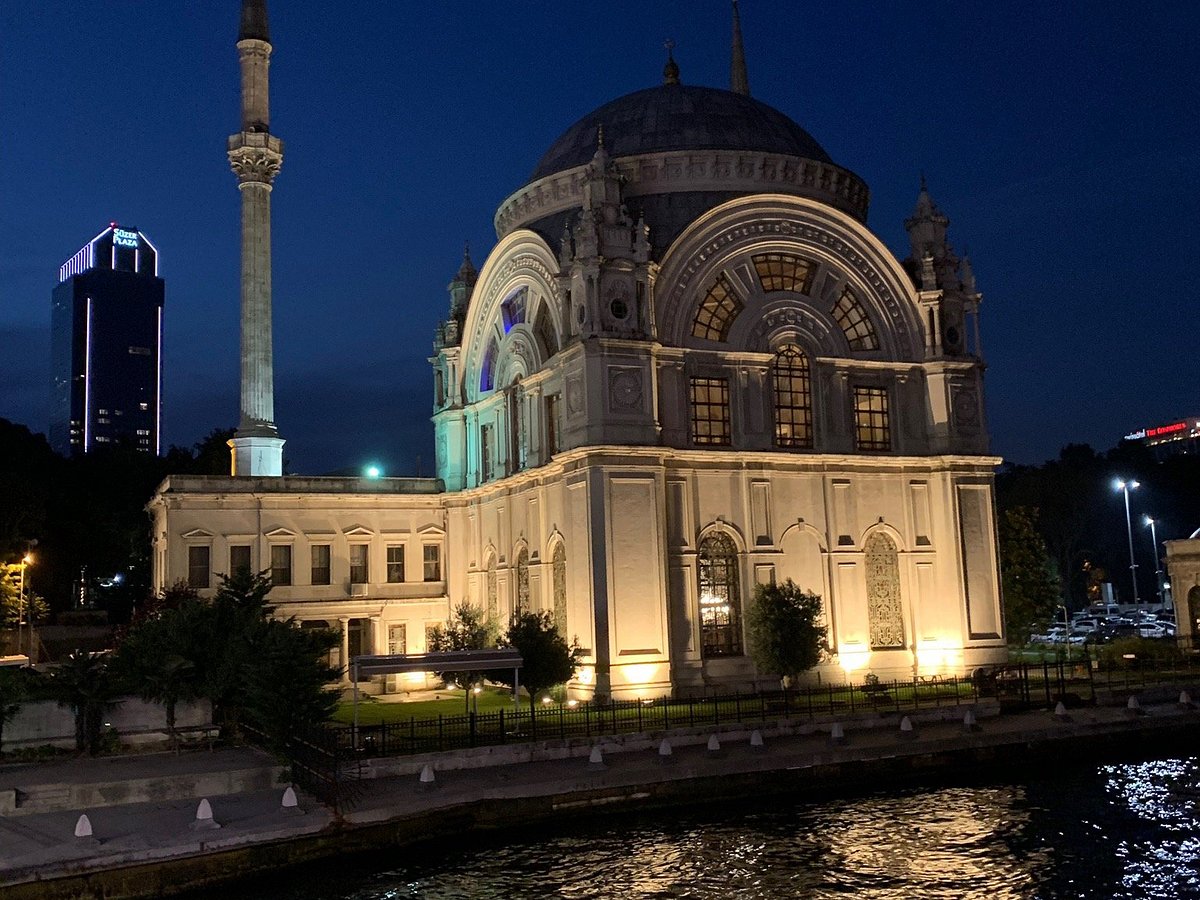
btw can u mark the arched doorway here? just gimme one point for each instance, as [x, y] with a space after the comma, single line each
[1194, 611]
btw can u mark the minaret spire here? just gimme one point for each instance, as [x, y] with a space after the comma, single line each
[739, 81]
[256, 156]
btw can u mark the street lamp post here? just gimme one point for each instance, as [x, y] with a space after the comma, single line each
[1125, 487]
[1158, 582]
[25, 561]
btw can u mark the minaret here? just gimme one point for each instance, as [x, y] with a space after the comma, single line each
[739, 82]
[256, 155]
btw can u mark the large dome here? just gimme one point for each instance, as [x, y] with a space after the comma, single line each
[673, 117]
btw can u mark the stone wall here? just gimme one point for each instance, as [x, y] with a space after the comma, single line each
[45, 722]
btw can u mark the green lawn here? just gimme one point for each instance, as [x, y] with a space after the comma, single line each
[451, 703]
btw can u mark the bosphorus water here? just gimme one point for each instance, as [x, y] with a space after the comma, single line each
[1127, 830]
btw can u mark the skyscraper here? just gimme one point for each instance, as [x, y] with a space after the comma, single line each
[106, 353]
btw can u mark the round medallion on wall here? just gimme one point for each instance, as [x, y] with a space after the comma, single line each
[619, 309]
[966, 408]
[625, 389]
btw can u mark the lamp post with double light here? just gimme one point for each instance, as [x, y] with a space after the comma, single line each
[1158, 581]
[1125, 487]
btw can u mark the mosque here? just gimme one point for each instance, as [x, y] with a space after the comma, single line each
[686, 368]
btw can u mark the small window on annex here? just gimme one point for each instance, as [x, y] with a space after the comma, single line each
[717, 312]
[853, 320]
[281, 564]
[720, 600]
[432, 558]
[395, 564]
[793, 398]
[710, 411]
[320, 563]
[872, 425]
[199, 565]
[358, 563]
[784, 272]
[239, 559]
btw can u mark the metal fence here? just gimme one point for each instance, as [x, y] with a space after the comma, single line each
[588, 720]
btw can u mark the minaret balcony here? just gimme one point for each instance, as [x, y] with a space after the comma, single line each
[255, 140]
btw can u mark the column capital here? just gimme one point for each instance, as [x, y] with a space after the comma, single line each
[255, 157]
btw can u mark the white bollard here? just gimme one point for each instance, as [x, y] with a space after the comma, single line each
[1060, 711]
[837, 734]
[714, 744]
[665, 753]
[906, 727]
[83, 828]
[204, 817]
[756, 740]
[596, 760]
[427, 780]
[1185, 699]
[290, 803]
[1133, 707]
[969, 722]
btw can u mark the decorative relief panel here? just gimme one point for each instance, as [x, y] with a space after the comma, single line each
[885, 615]
[574, 395]
[624, 388]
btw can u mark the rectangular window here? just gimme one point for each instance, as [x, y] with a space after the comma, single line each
[397, 639]
[430, 629]
[710, 411]
[281, 564]
[485, 453]
[320, 563]
[239, 559]
[552, 445]
[872, 428]
[432, 554]
[358, 563]
[198, 566]
[395, 564]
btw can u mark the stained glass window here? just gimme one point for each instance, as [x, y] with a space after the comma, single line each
[717, 311]
[853, 321]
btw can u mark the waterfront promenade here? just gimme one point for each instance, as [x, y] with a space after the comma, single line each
[153, 848]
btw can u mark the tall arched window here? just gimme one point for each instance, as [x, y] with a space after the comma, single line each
[522, 582]
[559, 578]
[854, 322]
[885, 616]
[493, 602]
[720, 597]
[793, 398]
[720, 306]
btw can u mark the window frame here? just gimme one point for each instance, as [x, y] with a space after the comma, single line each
[719, 639]
[364, 574]
[249, 552]
[878, 422]
[314, 569]
[724, 436]
[437, 562]
[286, 551]
[394, 557]
[193, 581]
[799, 397]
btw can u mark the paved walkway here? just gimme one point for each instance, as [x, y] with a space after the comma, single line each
[42, 845]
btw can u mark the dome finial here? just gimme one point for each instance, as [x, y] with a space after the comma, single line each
[600, 136]
[739, 81]
[671, 69]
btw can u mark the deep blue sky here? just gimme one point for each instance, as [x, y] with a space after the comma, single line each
[1061, 139]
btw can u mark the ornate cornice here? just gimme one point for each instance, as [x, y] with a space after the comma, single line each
[255, 157]
[698, 170]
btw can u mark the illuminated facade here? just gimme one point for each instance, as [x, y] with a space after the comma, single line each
[106, 345]
[686, 368]
[1172, 439]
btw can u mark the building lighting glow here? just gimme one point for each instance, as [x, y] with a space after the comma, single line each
[372, 471]
[852, 659]
[87, 378]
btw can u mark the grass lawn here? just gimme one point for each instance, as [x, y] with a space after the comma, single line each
[374, 712]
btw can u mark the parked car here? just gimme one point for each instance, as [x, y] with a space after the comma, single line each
[1151, 630]
[1080, 635]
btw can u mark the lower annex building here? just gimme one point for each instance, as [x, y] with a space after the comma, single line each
[686, 368]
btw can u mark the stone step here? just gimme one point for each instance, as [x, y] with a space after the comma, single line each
[31, 799]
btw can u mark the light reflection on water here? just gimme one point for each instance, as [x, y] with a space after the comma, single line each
[1128, 831]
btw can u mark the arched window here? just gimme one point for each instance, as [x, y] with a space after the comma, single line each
[516, 427]
[720, 597]
[493, 602]
[793, 398]
[559, 578]
[1193, 602]
[717, 311]
[852, 319]
[522, 582]
[487, 372]
[885, 616]
[784, 272]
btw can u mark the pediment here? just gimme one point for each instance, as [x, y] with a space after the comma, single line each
[197, 533]
[280, 532]
[358, 531]
[431, 530]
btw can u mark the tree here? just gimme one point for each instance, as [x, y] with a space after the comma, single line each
[12, 608]
[1030, 587]
[467, 629]
[547, 659]
[85, 684]
[13, 690]
[783, 629]
[153, 659]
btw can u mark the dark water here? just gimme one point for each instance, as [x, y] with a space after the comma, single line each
[1129, 830]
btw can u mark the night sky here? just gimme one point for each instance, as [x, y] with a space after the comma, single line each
[1061, 140]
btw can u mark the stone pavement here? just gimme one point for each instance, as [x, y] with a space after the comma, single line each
[42, 845]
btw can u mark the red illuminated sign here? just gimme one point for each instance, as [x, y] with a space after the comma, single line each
[1166, 429]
